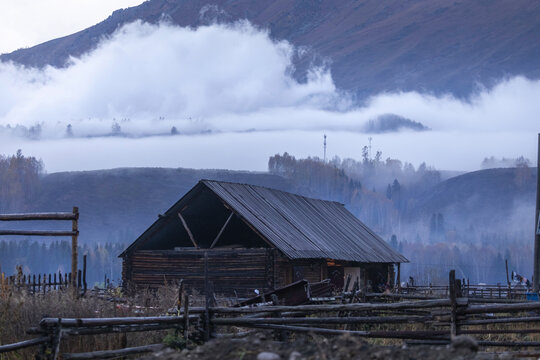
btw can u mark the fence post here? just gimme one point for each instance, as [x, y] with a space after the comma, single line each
[74, 245]
[84, 275]
[207, 300]
[56, 340]
[453, 303]
[186, 317]
[180, 297]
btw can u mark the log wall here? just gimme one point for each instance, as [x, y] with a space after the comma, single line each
[288, 271]
[243, 270]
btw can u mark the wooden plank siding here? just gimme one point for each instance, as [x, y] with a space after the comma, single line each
[288, 271]
[243, 270]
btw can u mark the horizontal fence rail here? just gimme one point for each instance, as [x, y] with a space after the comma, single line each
[24, 344]
[430, 321]
[74, 233]
[39, 216]
[53, 329]
[39, 232]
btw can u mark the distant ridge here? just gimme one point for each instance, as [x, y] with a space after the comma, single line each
[117, 205]
[436, 46]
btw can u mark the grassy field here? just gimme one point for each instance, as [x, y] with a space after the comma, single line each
[20, 311]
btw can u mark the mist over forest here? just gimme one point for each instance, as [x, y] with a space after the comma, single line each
[118, 119]
[471, 222]
[173, 104]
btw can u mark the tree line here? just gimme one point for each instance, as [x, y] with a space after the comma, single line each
[382, 193]
[19, 181]
[46, 257]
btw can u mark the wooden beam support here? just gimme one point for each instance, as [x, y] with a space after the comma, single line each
[221, 231]
[250, 226]
[188, 231]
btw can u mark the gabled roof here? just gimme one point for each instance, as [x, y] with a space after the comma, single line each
[298, 226]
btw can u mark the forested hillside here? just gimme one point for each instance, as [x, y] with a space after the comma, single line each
[471, 222]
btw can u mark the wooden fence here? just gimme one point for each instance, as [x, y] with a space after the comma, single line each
[42, 283]
[432, 321]
[51, 331]
[62, 216]
[487, 291]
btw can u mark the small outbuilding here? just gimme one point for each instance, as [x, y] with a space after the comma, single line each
[241, 237]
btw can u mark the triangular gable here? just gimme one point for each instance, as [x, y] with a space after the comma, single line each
[298, 226]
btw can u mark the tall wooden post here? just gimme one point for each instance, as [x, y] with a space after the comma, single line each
[453, 302]
[398, 279]
[74, 246]
[536, 275]
[84, 275]
[206, 335]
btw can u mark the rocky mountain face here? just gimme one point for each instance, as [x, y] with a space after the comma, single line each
[437, 46]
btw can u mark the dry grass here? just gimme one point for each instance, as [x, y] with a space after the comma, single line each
[20, 311]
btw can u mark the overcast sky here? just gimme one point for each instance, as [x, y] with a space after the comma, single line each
[24, 23]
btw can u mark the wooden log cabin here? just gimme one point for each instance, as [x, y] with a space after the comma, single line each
[244, 237]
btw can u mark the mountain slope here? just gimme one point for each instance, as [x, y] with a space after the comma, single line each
[494, 199]
[373, 46]
[117, 205]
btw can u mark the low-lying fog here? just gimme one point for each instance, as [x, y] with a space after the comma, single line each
[222, 96]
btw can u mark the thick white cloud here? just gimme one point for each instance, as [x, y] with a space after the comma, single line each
[235, 82]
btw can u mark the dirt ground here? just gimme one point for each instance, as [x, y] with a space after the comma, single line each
[262, 346]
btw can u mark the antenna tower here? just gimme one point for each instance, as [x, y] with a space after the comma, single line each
[370, 138]
[324, 158]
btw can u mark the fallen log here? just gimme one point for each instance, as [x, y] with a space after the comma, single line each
[509, 343]
[120, 329]
[499, 331]
[402, 296]
[109, 354]
[426, 335]
[323, 320]
[498, 308]
[501, 320]
[88, 322]
[423, 304]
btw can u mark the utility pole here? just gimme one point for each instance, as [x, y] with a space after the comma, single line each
[536, 275]
[324, 158]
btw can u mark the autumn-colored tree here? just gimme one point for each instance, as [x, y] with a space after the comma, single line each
[19, 181]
